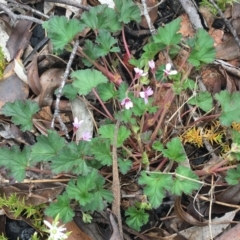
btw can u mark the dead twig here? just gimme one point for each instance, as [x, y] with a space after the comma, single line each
[116, 182]
[59, 94]
[71, 3]
[192, 13]
[19, 5]
[16, 17]
[148, 19]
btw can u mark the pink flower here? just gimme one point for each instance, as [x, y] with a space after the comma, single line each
[168, 71]
[86, 136]
[139, 73]
[145, 94]
[151, 64]
[76, 124]
[127, 103]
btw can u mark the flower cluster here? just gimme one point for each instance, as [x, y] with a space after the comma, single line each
[76, 125]
[127, 102]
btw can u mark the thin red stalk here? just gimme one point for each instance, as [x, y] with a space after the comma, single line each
[103, 105]
[125, 43]
[167, 103]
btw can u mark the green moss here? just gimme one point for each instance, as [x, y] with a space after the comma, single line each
[2, 63]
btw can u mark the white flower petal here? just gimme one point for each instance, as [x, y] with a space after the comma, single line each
[142, 94]
[173, 72]
[138, 70]
[168, 67]
[128, 105]
[47, 223]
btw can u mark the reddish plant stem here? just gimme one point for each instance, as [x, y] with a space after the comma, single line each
[103, 105]
[125, 43]
[161, 164]
[167, 103]
[210, 170]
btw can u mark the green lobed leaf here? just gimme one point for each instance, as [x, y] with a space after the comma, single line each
[61, 30]
[122, 91]
[86, 80]
[105, 43]
[139, 107]
[175, 150]
[100, 196]
[47, 147]
[124, 165]
[21, 113]
[203, 50]
[203, 100]
[233, 176]
[127, 11]
[70, 159]
[155, 186]
[81, 190]
[106, 91]
[15, 161]
[108, 131]
[182, 185]
[69, 91]
[100, 148]
[230, 107]
[62, 208]
[136, 218]
[90, 49]
[150, 50]
[157, 145]
[101, 17]
[168, 35]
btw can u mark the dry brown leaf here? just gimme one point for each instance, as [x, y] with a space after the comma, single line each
[212, 79]
[230, 195]
[76, 232]
[184, 216]
[228, 50]
[12, 87]
[186, 28]
[232, 234]
[19, 38]
[50, 81]
[33, 76]
[195, 232]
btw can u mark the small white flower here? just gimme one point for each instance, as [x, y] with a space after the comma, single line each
[86, 136]
[56, 233]
[76, 124]
[167, 70]
[139, 73]
[151, 64]
[145, 94]
[127, 103]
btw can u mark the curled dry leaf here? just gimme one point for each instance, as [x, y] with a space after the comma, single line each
[33, 76]
[184, 216]
[50, 81]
